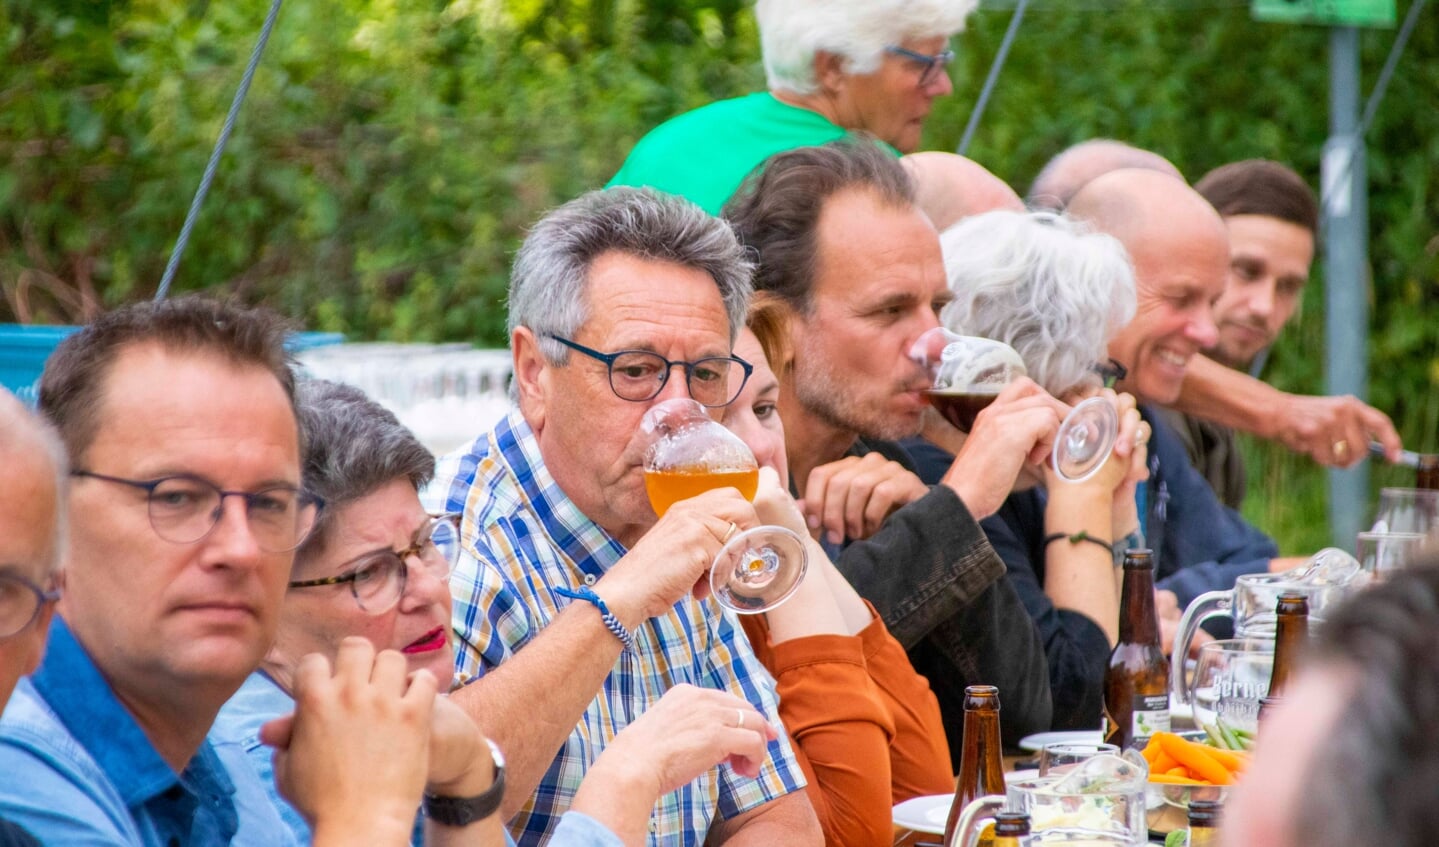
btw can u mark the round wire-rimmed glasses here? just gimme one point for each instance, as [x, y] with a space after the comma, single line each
[377, 579]
[20, 603]
[184, 508]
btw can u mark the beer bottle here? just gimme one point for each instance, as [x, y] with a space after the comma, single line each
[1136, 683]
[1009, 828]
[1293, 614]
[1427, 476]
[981, 771]
[1203, 823]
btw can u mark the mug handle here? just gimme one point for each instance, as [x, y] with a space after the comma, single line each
[971, 820]
[1211, 604]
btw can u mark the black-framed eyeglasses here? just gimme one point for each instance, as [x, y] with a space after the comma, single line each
[932, 65]
[184, 508]
[1110, 372]
[20, 603]
[377, 580]
[640, 375]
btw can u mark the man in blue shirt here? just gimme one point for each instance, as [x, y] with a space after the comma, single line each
[184, 487]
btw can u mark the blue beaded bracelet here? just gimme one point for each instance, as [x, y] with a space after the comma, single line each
[611, 622]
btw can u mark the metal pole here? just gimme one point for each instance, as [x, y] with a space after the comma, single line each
[1346, 269]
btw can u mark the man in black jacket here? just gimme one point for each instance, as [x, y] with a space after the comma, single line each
[840, 241]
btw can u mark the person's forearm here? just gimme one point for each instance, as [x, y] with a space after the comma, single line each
[489, 832]
[620, 795]
[380, 830]
[787, 820]
[1226, 396]
[1079, 575]
[813, 609]
[530, 704]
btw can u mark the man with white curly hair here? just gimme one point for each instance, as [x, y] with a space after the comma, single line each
[833, 67]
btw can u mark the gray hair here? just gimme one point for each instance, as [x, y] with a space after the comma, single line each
[548, 284]
[1043, 284]
[792, 31]
[23, 430]
[354, 446]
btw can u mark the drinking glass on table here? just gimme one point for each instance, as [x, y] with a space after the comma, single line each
[1381, 553]
[1062, 757]
[1407, 510]
[966, 374]
[689, 453]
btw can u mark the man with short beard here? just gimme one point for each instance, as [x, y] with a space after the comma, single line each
[841, 241]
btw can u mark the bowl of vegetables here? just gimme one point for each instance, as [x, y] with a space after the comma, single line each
[1189, 767]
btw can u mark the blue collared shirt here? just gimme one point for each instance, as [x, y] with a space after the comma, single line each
[75, 768]
[259, 700]
[522, 538]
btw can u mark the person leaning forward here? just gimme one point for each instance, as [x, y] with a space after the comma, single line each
[575, 604]
[842, 243]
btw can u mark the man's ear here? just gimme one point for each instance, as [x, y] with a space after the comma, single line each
[531, 375]
[829, 71]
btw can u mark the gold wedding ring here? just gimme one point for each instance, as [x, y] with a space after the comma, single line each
[730, 533]
[1341, 449]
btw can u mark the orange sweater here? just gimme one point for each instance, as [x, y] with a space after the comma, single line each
[866, 727]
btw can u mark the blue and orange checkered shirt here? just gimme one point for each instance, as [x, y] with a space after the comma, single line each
[521, 538]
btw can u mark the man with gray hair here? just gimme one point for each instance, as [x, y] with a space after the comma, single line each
[834, 67]
[571, 598]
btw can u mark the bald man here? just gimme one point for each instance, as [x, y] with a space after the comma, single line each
[31, 528]
[950, 187]
[1180, 251]
[1062, 176]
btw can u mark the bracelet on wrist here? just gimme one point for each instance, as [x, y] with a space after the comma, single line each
[1075, 538]
[463, 811]
[612, 623]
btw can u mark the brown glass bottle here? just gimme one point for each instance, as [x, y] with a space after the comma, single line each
[1009, 827]
[981, 770]
[1427, 475]
[1204, 823]
[1136, 683]
[1292, 612]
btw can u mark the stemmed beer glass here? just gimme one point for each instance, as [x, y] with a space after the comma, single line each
[689, 453]
[967, 373]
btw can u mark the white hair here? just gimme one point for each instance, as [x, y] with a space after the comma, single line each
[22, 431]
[1045, 285]
[793, 31]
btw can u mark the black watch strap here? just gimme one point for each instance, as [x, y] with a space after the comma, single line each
[463, 811]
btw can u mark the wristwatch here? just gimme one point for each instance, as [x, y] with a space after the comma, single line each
[463, 811]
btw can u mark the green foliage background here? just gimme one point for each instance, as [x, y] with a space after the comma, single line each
[392, 152]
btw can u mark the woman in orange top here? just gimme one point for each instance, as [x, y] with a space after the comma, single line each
[866, 726]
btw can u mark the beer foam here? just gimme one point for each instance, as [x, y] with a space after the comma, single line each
[977, 365]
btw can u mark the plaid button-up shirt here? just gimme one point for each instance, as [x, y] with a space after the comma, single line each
[521, 538]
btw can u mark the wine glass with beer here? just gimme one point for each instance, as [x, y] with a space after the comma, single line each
[966, 374]
[689, 453]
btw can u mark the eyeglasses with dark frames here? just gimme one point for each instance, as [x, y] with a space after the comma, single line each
[377, 580]
[184, 508]
[20, 603]
[640, 375]
[932, 65]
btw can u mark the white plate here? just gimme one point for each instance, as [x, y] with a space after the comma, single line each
[929, 814]
[1034, 743]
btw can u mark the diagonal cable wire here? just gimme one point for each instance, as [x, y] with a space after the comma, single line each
[214, 163]
[989, 81]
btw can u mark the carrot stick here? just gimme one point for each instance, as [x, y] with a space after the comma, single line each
[1174, 780]
[1196, 757]
[1163, 762]
[1177, 770]
[1232, 761]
